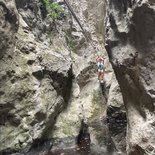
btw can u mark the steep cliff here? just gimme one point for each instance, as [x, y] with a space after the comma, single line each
[35, 79]
[50, 99]
[130, 28]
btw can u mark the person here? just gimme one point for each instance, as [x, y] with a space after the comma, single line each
[100, 68]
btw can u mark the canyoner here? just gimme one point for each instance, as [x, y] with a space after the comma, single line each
[100, 68]
[99, 58]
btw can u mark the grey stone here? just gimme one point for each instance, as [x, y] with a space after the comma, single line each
[130, 30]
[46, 87]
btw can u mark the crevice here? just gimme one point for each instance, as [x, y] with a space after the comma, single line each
[83, 139]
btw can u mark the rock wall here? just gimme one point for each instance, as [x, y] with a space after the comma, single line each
[35, 79]
[9, 26]
[89, 101]
[130, 28]
[49, 95]
[116, 117]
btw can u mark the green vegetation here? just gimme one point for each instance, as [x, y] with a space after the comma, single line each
[97, 104]
[44, 3]
[54, 10]
[71, 42]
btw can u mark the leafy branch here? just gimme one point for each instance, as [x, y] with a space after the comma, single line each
[53, 9]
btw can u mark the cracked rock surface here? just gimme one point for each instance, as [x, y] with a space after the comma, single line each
[50, 100]
[130, 30]
[35, 82]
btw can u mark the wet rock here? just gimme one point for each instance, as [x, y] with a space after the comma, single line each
[116, 118]
[83, 139]
[38, 72]
[117, 123]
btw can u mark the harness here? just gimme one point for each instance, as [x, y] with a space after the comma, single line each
[100, 66]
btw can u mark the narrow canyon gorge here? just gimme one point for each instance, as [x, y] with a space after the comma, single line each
[51, 102]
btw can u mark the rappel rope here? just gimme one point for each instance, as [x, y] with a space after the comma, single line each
[77, 20]
[88, 40]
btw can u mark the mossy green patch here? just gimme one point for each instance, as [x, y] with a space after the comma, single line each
[67, 129]
[98, 106]
[71, 42]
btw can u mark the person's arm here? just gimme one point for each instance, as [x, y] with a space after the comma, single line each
[97, 58]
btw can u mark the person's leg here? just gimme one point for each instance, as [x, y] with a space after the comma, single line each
[102, 77]
[98, 74]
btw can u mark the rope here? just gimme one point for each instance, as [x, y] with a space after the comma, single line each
[77, 20]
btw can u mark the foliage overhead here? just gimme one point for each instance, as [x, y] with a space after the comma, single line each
[54, 10]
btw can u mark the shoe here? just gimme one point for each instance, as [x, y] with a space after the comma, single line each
[98, 80]
[101, 81]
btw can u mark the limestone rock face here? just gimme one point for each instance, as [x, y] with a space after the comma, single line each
[8, 25]
[116, 117]
[89, 101]
[130, 30]
[35, 81]
[49, 95]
